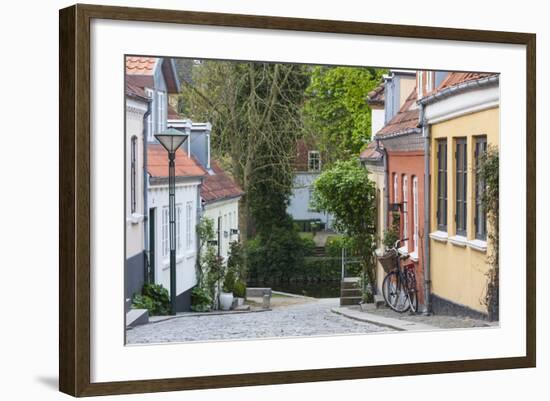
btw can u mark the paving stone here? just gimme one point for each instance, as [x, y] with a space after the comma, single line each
[306, 319]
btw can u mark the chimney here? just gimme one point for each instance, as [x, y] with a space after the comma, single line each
[200, 143]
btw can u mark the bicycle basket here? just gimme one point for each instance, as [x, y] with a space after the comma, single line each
[388, 260]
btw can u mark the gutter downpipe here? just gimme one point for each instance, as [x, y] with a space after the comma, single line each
[427, 211]
[386, 180]
[149, 276]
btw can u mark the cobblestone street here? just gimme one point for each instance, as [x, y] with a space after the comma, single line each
[303, 319]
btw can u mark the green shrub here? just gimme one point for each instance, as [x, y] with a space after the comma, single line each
[229, 281]
[142, 302]
[277, 253]
[235, 260]
[200, 300]
[154, 298]
[239, 289]
[392, 234]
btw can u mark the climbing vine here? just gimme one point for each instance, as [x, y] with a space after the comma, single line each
[488, 171]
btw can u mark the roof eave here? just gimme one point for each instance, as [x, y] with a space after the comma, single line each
[409, 131]
[459, 88]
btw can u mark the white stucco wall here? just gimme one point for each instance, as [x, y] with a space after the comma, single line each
[377, 120]
[135, 235]
[298, 207]
[228, 210]
[186, 256]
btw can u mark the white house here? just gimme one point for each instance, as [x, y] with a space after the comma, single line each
[307, 167]
[219, 193]
[137, 109]
[189, 176]
[156, 78]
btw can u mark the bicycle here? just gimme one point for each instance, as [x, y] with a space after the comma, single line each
[399, 285]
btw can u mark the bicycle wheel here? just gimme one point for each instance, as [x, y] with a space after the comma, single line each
[394, 292]
[412, 292]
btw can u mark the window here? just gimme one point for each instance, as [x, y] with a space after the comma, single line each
[161, 111]
[165, 232]
[405, 210]
[461, 164]
[420, 83]
[415, 213]
[133, 173]
[189, 224]
[310, 206]
[442, 185]
[429, 81]
[313, 160]
[149, 121]
[179, 241]
[394, 188]
[480, 214]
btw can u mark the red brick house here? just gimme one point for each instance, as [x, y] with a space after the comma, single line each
[404, 146]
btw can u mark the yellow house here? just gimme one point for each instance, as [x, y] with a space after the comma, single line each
[460, 118]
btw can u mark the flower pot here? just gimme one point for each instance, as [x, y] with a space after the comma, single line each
[226, 300]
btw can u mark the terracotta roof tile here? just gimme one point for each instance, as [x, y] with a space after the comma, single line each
[406, 119]
[377, 96]
[219, 185]
[135, 91]
[457, 78]
[140, 65]
[370, 152]
[157, 163]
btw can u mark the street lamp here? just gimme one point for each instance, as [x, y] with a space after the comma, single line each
[171, 140]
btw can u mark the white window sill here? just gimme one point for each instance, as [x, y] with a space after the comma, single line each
[458, 240]
[135, 218]
[414, 256]
[440, 236]
[478, 245]
[403, 251]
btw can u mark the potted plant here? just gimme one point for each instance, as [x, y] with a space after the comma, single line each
[226, 295]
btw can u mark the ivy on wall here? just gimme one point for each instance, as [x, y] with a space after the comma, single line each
[488, 171]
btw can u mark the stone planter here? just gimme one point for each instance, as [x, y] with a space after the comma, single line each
[226, 300]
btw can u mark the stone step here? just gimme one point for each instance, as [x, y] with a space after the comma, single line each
[351, 292]
[349, 284]
[350, 300]
[135, 317]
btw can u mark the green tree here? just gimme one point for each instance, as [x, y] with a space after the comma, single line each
[346, 192]
[255, 110]
[336, 110]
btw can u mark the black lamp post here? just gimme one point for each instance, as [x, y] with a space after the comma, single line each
[171, 140]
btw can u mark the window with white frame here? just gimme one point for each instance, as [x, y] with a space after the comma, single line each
[415, 213]
[149, 122]
[133, 174]
[405, 210]
[313, 160]
[189, 224]
[179, 236]
[420, 83]
[161, 111]
[480, 188]
[165, 229]
[429, 81]
[394, 188]
[461, 178]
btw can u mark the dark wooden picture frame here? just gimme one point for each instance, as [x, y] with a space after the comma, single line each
[74, 202]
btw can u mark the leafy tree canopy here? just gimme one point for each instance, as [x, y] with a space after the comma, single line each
[346, 191]
[336, 109]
